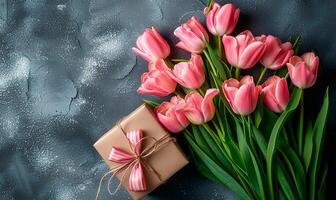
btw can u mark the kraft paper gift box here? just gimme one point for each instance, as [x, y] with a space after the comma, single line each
[166, 161]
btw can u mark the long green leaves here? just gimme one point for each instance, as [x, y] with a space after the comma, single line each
[221, 174]
[260, 165]
[213, 58]
[294, 102]
[318, 139]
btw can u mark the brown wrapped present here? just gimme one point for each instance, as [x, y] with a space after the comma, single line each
[163, 157]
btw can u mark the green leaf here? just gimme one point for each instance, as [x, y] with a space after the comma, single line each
[151, 103]
[216, 61]
[322, 189]
[254, 171]
[300, 126]
[210, 2]
[297, 43]
[259, 112]
[292, 105]
[268, 121]
[308, 145]
[319, 129]
[202, 144]
[285, 182]
[294, 166]
[221, 174]
[215, 148]
[202, 168]
[226, 68]
[260, 139]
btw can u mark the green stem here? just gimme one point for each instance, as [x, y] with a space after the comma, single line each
[179, 60]
[214, 80]
[200, 91]
[211, 64]
[262, 74]
[286, 75]
[301, 123]
[219, 46]
[237, 73]
[169, 63]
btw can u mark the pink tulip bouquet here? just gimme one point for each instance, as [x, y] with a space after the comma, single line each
[250, 133]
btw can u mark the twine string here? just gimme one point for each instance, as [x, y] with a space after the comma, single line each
[142, 157]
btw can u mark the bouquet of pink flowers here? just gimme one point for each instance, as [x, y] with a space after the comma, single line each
[250, 134]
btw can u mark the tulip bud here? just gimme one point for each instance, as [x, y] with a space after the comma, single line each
[151, 46]
[303, 70]
[198, 109]
[189, 74]
[244, 50]
[221, 20]
[276, 53]
[168, 115]
[192, 35]
[242, 95]
[158, 64]
[157, 83]
[276, 93]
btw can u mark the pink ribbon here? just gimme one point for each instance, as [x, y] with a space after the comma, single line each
[134, 161]
[137, 180]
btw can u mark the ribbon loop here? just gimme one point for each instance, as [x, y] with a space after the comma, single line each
[134, 160]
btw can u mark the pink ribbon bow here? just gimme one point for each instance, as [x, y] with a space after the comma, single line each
[137, 180]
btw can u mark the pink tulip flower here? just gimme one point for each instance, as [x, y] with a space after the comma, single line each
[276, 93]
[158, 64]
[157, 83]
[276, 53]
[189, 74]
[175, 121]
[192, 35]
[151, 46]
[221, 20]
[303, 70]
[244, 50]
[242, 95]
[198, 109]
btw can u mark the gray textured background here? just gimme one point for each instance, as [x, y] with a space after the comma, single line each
[67, 74]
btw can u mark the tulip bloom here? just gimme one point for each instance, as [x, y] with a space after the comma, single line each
[157, 83]
[276, 93]
[151, 46]
[189, 74]
[303, 70]
[198, 109]
[175, 121]
[242, 95]
[244, 50]
[276, 53]
[192, 35]
[221, 20]
[158, 64]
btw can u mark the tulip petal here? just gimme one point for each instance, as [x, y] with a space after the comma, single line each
[272, 50]
[271, 103]
[282, 93]
[251, 55]
[231, 49]
[244, 100]
[170, 123]
[142, 54]
[207, 106]
[142, 90]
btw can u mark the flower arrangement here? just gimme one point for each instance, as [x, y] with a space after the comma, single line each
[248, 133]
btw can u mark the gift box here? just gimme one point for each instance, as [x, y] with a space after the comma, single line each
[163, 157]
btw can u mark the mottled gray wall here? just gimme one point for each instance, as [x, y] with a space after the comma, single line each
[67, 74]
